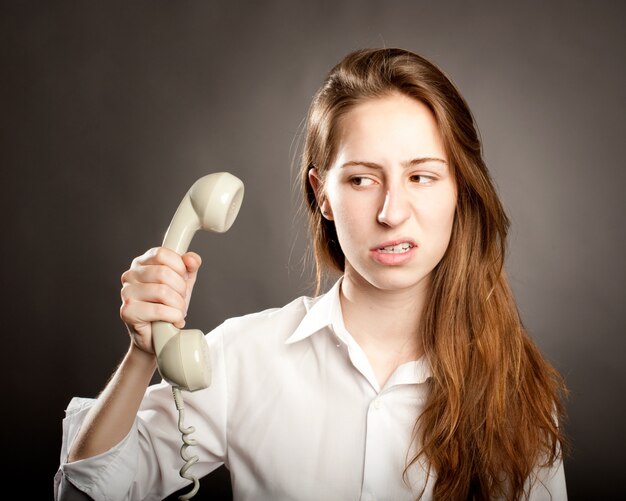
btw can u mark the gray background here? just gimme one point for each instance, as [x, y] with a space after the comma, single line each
[110, 110]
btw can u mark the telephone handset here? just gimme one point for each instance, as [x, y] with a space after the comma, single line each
[212, 204]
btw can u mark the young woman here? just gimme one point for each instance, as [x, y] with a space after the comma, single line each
[411, 378]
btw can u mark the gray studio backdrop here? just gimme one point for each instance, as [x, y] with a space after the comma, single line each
[110, 110]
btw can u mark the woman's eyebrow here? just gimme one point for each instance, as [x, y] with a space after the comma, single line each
[417, 161]
[408, 163]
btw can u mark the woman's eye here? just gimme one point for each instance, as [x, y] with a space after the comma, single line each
[361, 181]
[421, 179]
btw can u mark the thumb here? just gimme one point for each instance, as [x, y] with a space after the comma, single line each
[192, 262]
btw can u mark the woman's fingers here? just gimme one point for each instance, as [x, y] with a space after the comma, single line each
[157, 287]
[162, 256]
[156, 274]
[138, 316]
[153, 293]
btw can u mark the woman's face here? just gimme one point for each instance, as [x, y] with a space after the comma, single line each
[390, 193]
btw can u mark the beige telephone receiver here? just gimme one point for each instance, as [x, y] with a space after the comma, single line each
[212, 204]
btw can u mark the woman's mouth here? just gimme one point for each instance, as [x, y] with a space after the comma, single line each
[394, 253]
[396, 249]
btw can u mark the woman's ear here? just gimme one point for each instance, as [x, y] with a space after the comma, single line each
[318, 187]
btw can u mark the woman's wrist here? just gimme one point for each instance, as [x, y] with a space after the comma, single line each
[140, 358]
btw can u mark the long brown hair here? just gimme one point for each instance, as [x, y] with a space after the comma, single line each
[495, 404]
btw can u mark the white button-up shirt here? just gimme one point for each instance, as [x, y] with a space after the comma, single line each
[294, 411]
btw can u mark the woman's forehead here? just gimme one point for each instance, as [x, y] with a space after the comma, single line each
[394, 126]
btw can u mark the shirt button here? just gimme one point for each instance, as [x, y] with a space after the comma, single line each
[377, 404]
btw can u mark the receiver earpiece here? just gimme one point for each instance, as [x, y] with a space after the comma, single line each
[212, 204]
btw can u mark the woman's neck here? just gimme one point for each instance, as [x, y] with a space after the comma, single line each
[385, 323]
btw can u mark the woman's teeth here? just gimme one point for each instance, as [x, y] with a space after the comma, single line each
[396, 249]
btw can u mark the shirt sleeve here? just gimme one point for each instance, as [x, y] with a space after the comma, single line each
[549, 483]
[86, 475]
[146, 463]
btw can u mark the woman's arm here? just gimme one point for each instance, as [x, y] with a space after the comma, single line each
[157, 286]
[112, 417]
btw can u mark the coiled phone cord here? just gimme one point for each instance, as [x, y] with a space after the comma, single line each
[187, 442]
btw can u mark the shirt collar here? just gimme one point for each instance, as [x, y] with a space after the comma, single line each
[325, 312]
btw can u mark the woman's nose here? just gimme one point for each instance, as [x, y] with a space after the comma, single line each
[395, 209]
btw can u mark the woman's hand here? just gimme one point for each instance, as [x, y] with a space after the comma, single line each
[157, 286]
